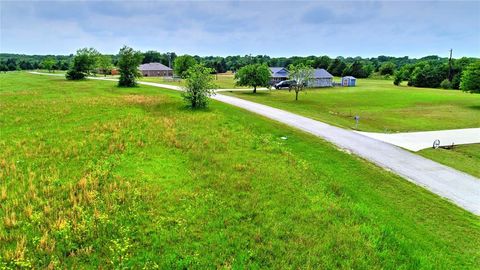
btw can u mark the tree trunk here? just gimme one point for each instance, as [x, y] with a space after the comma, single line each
[296, 95]
[254, 89]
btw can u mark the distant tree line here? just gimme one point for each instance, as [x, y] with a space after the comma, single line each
[436, 73]
[430, 71]
[362, 67]
[11, 62]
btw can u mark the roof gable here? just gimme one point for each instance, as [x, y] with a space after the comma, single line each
[279, 71]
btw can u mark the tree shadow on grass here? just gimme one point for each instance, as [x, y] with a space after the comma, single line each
[127, 87]
[475, 107]
[250, 93]
[187, 108]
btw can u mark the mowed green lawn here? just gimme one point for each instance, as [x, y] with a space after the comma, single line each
[382, 107]
[95, 176]
[462, 157]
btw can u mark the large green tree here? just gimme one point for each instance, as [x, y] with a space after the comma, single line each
[84, 63]
[128, 63]
[253, 75]
[182, 64]
[470, 80]
[199, 86]
[302, 74]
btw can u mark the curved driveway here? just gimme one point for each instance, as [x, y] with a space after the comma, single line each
[460, 188]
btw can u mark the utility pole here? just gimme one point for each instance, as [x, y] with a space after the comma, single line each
[450, 66]
[169, 60]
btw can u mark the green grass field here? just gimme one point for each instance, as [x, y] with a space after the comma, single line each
[465, 158]
[96, 176]
[382, 107]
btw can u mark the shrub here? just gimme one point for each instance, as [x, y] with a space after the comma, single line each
[74, 75]
[446, 84]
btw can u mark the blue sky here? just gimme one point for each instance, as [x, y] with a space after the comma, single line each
[286, 28]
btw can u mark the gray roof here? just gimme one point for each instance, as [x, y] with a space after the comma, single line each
[276, 69]
[349, 77]
[279, 72]
[153, 66]
[321, 73]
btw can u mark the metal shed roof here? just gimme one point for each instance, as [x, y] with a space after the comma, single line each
[321, 73]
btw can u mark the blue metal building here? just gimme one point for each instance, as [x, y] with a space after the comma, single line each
[349, 81]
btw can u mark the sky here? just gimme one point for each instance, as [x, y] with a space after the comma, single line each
[274, 28]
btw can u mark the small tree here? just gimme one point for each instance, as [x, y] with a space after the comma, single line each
[470, 80]
[105, 64]
[48, 63]
[128, 63]
[254, 75]
[199, 86]
[84, 64]
[302, 75]
[182, 64]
